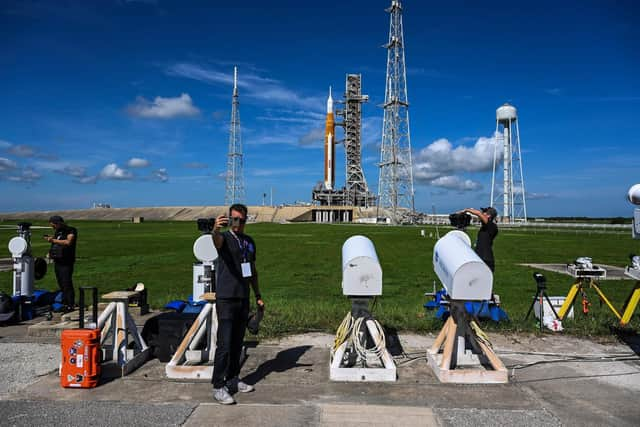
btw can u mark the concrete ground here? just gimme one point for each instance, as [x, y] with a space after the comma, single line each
[554, 380]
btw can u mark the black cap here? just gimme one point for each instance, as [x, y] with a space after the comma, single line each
[56, 219]
[7, 310]
[492, 212]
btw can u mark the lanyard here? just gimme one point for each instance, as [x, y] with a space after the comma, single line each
[241, 244]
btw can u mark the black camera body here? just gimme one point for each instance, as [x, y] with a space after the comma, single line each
[460, 220]
[541, 281]
[205, 225]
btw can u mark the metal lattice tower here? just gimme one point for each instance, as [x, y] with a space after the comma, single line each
[235, 178]
[356, 189]
[507, 135]
[395, 187]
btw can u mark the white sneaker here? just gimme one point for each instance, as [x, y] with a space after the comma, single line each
[242, 387]
[221, 395]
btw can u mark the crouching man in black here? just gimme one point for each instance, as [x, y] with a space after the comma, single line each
[63, 253]
[235, 272]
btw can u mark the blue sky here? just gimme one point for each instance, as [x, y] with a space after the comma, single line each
[128, 102]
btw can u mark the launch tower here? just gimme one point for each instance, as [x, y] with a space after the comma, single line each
[355, 192]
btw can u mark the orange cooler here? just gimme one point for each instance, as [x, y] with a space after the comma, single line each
[80, 367]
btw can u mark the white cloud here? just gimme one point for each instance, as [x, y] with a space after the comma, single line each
[136, 162]
[440, 164]
[74, 171]
[314, 137]
[160, 175]
[86, 179]
[440, 158]
[27, 175]
[296, 171]
[22, 150]
[538, 196]
[7, 164]
[455, 183]
[207, 75]
[113, 171]
[164, 108]
[253, 85]
[372, 132]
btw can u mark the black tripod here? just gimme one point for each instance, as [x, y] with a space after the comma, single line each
[540, 296]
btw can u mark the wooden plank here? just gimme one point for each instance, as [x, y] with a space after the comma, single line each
[387, 360]
[209, 296]
[441, 336]
[493, 359]
[363, 374]
[447, 352]
[197, 372]
[120, 295]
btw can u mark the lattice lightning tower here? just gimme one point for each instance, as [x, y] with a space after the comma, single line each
[235, 178]
[395, 188]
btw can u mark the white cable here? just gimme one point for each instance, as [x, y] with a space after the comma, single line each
[360, 345]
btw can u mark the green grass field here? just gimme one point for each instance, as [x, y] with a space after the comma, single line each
[300, 270]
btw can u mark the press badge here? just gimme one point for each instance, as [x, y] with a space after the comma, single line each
[246, 269]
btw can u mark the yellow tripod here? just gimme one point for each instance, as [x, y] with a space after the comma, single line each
[627, 310]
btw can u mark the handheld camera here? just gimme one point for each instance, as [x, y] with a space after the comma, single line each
[460, 220]
[205, 225]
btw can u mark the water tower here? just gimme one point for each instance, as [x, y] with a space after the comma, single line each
[512, 194]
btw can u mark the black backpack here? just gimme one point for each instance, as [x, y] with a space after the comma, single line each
[7, 309]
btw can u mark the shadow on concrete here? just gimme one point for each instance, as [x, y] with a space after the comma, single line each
[284, 360]
[393, 342]
[628, 336]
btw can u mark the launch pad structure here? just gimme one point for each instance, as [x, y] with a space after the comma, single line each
[355, 192]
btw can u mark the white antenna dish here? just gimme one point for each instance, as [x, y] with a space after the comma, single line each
[634, 194]
[18, 246]
[204, 249]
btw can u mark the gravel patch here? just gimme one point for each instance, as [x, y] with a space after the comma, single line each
[94, 414]
[21, 364]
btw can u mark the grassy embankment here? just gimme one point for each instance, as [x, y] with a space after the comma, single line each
[300, 270]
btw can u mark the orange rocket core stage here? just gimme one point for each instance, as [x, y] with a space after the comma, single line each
[329, 146]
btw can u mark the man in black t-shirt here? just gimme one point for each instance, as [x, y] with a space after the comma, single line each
[63, 253]
[235, 272]
[487, 233]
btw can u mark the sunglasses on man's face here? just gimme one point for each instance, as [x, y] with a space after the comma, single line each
[237, 220]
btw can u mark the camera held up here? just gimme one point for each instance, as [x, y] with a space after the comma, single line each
[205, 225]
[460, 220]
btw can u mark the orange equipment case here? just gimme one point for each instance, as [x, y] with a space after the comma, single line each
[80, 367]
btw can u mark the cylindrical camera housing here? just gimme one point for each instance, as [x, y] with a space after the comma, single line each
[361, 271]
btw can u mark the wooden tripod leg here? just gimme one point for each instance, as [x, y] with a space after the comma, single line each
[435, 348]
[449, 343]
[496, 363]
